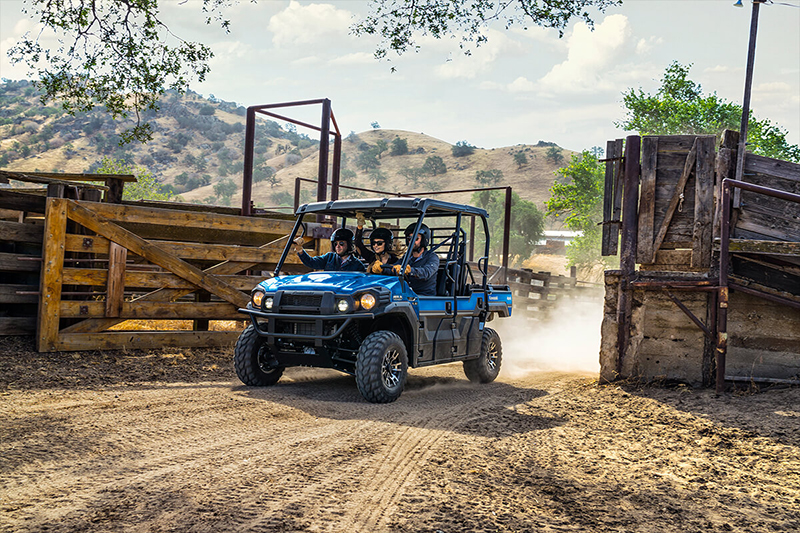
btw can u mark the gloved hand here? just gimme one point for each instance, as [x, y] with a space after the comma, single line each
[360, 219]
[298, 245]
[376, 268]
[396, 269]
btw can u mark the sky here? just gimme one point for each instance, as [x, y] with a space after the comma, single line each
[521, 87]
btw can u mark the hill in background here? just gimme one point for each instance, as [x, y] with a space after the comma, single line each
[198, 145]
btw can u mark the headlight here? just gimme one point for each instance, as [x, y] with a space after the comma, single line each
[268, 303]
[257, 297]
[368, 301]
[342, 305]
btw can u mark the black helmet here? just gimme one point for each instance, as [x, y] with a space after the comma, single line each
[382, 233]
[343, 234]
[424, 231]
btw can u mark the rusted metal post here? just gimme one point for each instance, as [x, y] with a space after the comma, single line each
[506, 232]
[324, 139]
[722, 297]
[247, 172]
[337, 156]
[627, 261]
[748, 82]
[297, 193]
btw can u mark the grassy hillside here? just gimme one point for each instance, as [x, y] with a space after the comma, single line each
[198, 143]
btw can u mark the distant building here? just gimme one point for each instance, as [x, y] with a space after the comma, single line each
[555, 242]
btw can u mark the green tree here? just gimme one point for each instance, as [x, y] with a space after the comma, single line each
[381, 146]
[368, 160]
[397, 22]
[554, 155]
[146, 187]
[412, 175]
[488, 177]
[225, 189]
[377, 176]
[399, 146]
[434, 165]
[526, 228]
[679, 107]
[520, 159]
[577, 199]
[462, 148]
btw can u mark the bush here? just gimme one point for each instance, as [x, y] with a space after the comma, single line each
[207, 110]
[462, 148]
[434, 165]
[399, 146]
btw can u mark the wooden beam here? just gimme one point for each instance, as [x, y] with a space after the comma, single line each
[691, 158]
[20, 201]
[17, 325]
[149, 280]
[153, 310]
[763, 247]
[143, 340]
[91, 220]
[703, 204]
[189, 219]
[55, 228]
[19, 232]
[115, 286]
[647, 201]
[19, 263]
[69, 177]
[8, 294]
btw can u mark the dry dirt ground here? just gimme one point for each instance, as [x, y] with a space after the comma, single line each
[171, 441]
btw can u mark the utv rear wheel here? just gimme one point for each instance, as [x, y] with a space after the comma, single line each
[253, 361]
[381, 367]
[485, 368]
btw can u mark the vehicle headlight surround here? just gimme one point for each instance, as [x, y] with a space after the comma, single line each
[268, 301]
[342, 305]
[368, 301]
[257, 297]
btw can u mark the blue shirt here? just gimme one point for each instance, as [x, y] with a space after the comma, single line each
[332, 262]
[422, 278]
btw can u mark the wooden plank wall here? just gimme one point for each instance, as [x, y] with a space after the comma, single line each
[118, 274]
[762, 217]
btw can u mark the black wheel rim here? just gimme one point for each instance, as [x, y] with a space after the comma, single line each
[392, 369]
[264, 360]
[492, 355]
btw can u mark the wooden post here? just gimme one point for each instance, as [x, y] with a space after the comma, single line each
[115, 285]
[116, 187]
[55, 227]
[612, 198]
[647, 205]
[628, 247]
[201, 324]
[703, 203]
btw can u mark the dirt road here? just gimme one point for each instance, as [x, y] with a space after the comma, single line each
[171, 441]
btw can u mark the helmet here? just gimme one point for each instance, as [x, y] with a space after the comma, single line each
[382, 233]
[424, 231]
[343, 234]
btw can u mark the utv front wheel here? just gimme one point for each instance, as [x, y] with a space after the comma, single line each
[381, 367]
[485, 368]
[253, 361]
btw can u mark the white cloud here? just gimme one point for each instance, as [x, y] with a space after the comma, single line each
[308, 24]
[480, 60]
[357, 58]
[721, 69]
[589, 57]
[521, 84]
[644, 46]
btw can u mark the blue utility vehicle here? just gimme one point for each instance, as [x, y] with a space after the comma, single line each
[374, 326]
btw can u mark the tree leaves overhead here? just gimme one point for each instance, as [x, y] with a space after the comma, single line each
[398, 22]
[112, 53]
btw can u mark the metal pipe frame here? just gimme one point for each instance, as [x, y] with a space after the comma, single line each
[724, 263]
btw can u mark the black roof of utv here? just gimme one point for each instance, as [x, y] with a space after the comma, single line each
[390, 208]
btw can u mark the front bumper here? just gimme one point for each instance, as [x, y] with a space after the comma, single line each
[317, 323]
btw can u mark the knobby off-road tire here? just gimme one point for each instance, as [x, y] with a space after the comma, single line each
[381, 367]
[251, 359]
[485, 368]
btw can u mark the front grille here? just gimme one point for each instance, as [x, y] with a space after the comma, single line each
[295, 328]
[301, 300]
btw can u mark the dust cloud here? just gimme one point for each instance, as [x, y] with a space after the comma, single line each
[569, 340]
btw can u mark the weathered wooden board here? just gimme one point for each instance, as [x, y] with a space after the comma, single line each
[142, 340]
[9, 296]
[612, 198]
[20, 201]
[50, 279]
[19, 232]
[19, 262]
[150, 280]
[773, 167]
[647, 201]
[153, 310]
[16, 325]
[678, 199]
[703, 204]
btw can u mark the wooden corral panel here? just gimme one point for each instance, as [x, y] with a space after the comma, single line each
[762, 217]
[103, 273]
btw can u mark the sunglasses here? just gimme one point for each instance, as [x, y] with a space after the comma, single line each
[378, 243]
[340, 243]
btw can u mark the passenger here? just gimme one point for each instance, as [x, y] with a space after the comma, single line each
[424, 264]
[380, 240]
[341, 257]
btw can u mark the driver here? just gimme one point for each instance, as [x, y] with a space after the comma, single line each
[340, 258]
[424, 264]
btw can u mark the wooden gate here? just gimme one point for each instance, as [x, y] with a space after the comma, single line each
[105, 263]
